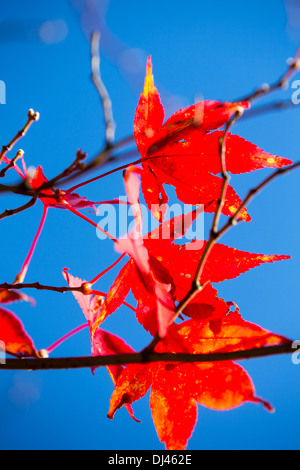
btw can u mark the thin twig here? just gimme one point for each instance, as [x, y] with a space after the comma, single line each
[77, 165]
[32, 116]
[103, 175]
[102, 158]
[293, 67]
[84, 289]
[12, 163]
[10, 212]
[104, 96]
[225, 175]
[252, 192]
[36, 285]
[266, 108]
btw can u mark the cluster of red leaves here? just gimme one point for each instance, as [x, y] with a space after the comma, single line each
[182, 152]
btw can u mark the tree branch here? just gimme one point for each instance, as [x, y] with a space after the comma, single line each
[283, 82]
[32, 116]
[10, 212]
[140, 358]
[12, 163]
[103, 93]
[36, 285]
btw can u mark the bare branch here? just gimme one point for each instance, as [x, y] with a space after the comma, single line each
[224, 173]
[234, 218]
[32, 116]
[10, 212]
[266, 108]
[293, 67]
[36, 285]
[103, 93]
[104, 157]
[12, 163]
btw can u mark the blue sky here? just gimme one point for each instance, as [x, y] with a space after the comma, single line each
[215, 50]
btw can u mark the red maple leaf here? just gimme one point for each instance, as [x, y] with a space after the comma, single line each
[102, 342]
[8, 296]
[15, 339]
[176, 387]
[184, 152]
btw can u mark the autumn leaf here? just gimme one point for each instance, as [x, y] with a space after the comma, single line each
[14, 336]
[175, 391]
[150, 132]
[116, 295]
[184, 152]
[173, 407]
[223, 262]
[177, 265]
[132, 384]
[201, 153]
[8, 296]
[154, 193]
[175, 388]
[102, 342]
[16, 340]
[90, 304]
[191, 188]
[235, 334]
[149, 114]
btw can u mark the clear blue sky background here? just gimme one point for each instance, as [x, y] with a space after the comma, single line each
[218, 50]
